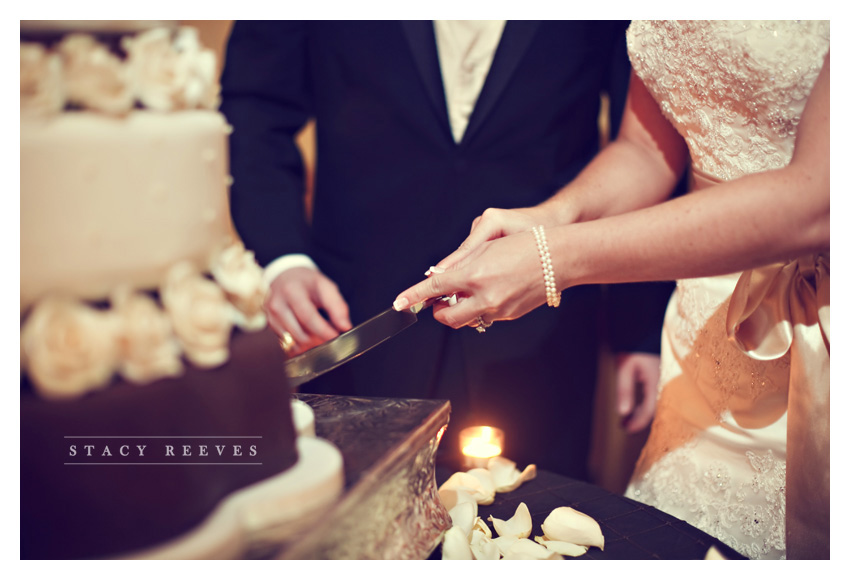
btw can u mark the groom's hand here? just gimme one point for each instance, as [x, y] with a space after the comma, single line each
[294, 306]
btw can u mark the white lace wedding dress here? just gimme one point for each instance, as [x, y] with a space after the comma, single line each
[716, 455]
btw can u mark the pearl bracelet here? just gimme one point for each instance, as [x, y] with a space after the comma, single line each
[553, 297]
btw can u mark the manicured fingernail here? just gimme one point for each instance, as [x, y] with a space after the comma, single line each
[435, 270]
[400, 303]
[452, 300]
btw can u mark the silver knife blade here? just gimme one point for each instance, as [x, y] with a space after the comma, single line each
[349, 345]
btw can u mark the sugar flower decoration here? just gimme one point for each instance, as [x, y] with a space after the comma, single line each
[200, 314]
[147, 347]
[94, 77]
[242, 280]
[198, 66]
[42, 89]
[153, 67]
[68, 348]
[171, 74]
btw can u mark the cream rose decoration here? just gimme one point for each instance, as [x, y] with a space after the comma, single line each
[238, 273]
[68, 348]
[94, 77]
[200, 315]
[200, 71]
[171, 75]
[41, 81]
[147, 347]
[153, 69]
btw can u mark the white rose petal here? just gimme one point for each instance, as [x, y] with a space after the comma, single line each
[506, 476]
[562, 548]
[504, 543]
[470, 484]
[524, 549]
[487, 486]
[568, 525]
[714, 554]
[463, 516]
[483, 547]
[481, 526]
[456, 545]
[68, 348]
[519, 526]
[453, 496]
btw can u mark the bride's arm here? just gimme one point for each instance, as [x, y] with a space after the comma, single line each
[638, 169]
[745, 223]
[738, 225]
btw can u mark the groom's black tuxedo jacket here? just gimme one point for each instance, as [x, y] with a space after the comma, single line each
[394, 194]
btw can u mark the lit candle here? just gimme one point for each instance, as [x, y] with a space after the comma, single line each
[479, 444]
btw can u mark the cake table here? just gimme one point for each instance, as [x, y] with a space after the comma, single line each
[389, 508]
[632, 530]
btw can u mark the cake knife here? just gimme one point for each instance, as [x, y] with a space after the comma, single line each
[351, 344]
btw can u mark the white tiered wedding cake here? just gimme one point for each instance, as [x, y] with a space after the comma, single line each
[141, 313]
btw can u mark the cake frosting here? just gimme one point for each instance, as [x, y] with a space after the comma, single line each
[142, 317]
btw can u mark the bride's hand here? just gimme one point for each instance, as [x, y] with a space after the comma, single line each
[498, 279]
[491, 225]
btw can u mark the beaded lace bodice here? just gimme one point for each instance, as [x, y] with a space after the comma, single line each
[735, 89]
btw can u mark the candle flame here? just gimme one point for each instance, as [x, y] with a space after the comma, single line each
[484, 444]
[480, 448]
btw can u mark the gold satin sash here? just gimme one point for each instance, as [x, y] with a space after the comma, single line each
[772, 310]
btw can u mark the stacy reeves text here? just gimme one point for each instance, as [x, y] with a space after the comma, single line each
[166, 450]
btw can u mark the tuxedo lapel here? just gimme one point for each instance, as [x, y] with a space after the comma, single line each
[423, 45]
[516, 38]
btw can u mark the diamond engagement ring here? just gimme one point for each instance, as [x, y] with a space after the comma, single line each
[482, 326]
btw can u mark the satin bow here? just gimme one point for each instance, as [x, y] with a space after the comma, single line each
[768, 302]
[775, 309]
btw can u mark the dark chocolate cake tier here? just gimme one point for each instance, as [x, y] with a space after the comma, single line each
[132, 466]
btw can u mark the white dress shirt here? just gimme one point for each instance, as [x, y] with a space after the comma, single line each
[466, 49]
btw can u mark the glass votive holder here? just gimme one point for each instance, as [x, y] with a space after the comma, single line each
[479, 444]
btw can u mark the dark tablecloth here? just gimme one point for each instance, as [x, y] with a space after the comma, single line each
[632, 530]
